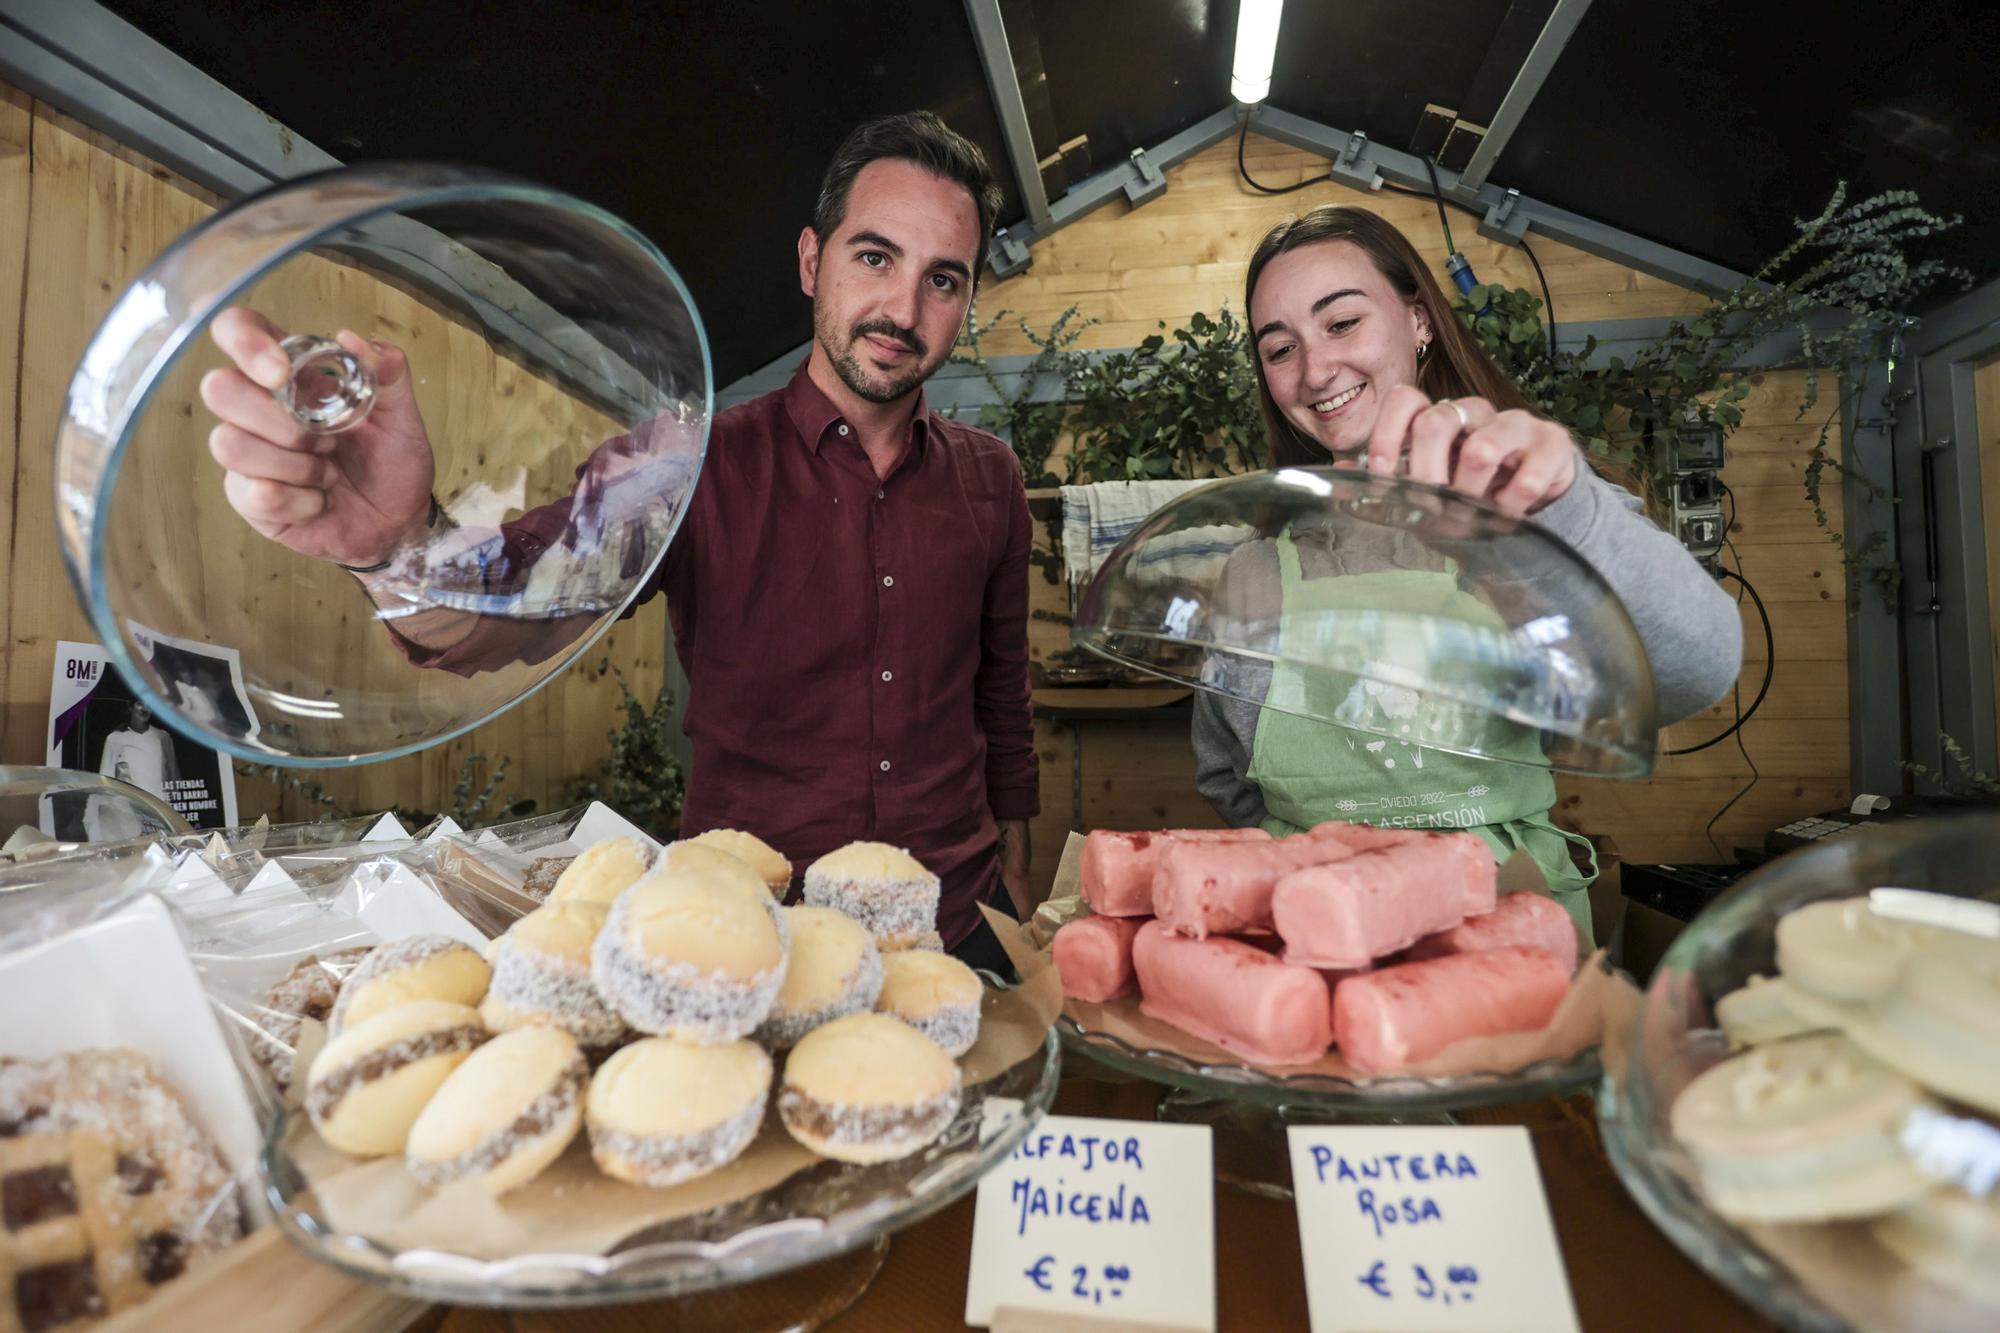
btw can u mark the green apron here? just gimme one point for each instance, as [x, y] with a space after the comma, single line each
[1311, 772]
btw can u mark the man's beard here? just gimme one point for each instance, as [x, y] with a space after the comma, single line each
[869, 384]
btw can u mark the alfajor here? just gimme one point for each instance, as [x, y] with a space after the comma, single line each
[368, 1085]
[504, 1114]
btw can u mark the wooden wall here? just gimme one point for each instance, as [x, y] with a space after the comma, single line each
[1187, 250]
[79, 218]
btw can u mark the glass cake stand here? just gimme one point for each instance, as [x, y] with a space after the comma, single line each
[1826, 1276]
[829, 1210]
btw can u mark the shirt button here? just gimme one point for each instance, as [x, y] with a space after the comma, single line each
[843, 428]
[878, 495]
[887, 676]
[885, 765]
[888, 581]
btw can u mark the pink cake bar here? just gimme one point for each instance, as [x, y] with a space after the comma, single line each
[1220, 889]
[1391, 1018]
[1241, 998]
[1521, 921]
[1118, 868]
[1350, 912]
[1094, 956]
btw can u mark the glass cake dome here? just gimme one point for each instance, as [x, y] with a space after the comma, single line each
[1808, 1103]
[488, 401]
[1383, 606]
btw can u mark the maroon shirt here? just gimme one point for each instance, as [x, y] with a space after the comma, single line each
[856, 650]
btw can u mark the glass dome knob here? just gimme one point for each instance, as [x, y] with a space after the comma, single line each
[329, 391]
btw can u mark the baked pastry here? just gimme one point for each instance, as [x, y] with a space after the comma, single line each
[763, 858]
[1842, 950]
[834, 970]
[883, 887]
[868, 1088]
[713, 861]
[663, 1111]
[108, 1187]
[690, 954]
[935, 994]
[371, 1082]
[541, 976]
[1940, 1025]
[292, 1024]
[928, 939]
[603, 872]
[1761, 1010]
[1951, 1238]
[542, 875]
[503, 1115]
[1800, 1131]
[421, 967]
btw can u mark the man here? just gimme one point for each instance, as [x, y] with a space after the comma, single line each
[848, 590]
[141, 754]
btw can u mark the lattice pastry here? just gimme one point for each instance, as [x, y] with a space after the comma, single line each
[107, 1189]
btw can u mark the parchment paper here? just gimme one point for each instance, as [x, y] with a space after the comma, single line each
[574, 1208]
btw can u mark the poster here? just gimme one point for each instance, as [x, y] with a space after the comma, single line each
[98, 726]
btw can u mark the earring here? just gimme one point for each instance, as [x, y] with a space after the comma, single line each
[1421, 349]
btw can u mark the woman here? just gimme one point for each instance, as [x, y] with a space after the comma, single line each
[1361, 362]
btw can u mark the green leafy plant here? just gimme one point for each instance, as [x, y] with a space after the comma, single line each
[1032, 427]
[1182, 404]
[642, 779]
[1843, 286]
[1962, 778]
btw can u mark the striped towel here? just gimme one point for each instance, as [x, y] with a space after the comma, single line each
[1097, 517]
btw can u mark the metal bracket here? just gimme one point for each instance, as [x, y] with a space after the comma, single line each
[1505, 222]
[1150, 184]
[1351, 166]
[1007, 255]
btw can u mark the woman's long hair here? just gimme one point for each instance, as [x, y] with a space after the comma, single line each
[1456, 364]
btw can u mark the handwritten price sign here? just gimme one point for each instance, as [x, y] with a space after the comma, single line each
[1407, 1228]
[1099, 1217]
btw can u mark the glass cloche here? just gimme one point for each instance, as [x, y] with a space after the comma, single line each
[1809, 1102]
[1383, 606]
[487, 401]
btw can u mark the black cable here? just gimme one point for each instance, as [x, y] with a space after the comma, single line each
[1770, 650]
[1437, 194]
[1437, 191]
[1548, 301]
[1242, 167]
[1736, 693]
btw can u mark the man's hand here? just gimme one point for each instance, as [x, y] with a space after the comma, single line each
[354, 498]
[1014, 857]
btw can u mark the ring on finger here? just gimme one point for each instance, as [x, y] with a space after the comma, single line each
[1464, 418]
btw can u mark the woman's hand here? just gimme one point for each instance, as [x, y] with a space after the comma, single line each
[1514, 460]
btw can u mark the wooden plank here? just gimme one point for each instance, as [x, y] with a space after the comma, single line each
[1793, 747]
[1780, 515]
[16, 188]
[1800, 688]
[1662, 820]
[1986, 416]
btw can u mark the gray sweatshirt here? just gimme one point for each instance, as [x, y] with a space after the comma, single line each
[1690, 628]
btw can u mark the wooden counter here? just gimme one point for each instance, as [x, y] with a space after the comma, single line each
[1625, 1275]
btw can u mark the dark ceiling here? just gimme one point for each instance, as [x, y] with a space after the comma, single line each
[1702, 124]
